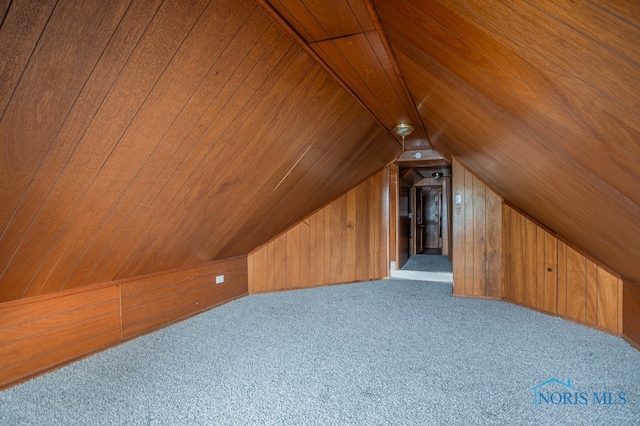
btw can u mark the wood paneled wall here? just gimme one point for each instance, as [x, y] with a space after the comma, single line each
[544, 273]
[141, 136]
[404, 223]
[477, 236]
[540, 99]
[41, 333]
[345, 241]
[631, 312]
[393, 212]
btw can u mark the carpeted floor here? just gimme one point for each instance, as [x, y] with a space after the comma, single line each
[383, 352]
[428, 263]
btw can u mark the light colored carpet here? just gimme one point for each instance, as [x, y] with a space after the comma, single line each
[429, 263]
[382, 352]
[423, 267]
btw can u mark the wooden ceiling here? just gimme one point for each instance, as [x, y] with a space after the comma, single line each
[346, 37]
[144, 135]
[539, 98]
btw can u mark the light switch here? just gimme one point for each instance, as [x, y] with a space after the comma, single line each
[458, 199]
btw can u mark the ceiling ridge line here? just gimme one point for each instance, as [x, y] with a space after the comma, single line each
[296, 37]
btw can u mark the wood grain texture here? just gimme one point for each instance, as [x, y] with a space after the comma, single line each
[477, 236]
[347, 37]
[631, 312]
[129, 131]
[347, 241]
[546, 274]
[149, 303]
[36, 337]
[518, 89]
[41, 333]
[403, 222]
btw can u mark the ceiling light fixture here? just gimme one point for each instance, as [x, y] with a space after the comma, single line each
[403, 130]
[437, 175]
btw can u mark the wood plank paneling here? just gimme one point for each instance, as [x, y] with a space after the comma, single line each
[557, 278]
[550, 271]
[130, 131]
[347, 38]
[631, 312]
[350, 243]
[152, 302]
[518, 89]
[403, 222]
[49, 82]
[562, 278]
[316, 21]
[38, 336]
[477, 236]
[42, 333]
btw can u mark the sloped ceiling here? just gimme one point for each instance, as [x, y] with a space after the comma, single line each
[140, 136]
[539, 98]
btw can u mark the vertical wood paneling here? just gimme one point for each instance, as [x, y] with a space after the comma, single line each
[576, 285]
[335, 238]
[349, 247]
[347, 240]
[493, 244]
[393, 213]
[305, 254]
[562, 277]
[477, 236]
[403, 222]
[271, 266]
[293, 250]
[258, 268]
[550, 273]
[530, 264]
[606, 300]
[518, 270]
[592, 293]
[547, 274]
[279, 263]
[506, 276]
[467, 200]
[631, 312]
[540, 268]
[459, 243]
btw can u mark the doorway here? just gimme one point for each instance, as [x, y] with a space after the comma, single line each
[420, 213]
[426, 225]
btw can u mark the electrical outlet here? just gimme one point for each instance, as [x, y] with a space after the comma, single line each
[458, 199]
[219, 279]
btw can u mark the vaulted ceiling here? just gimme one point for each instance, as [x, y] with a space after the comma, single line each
[143, 135]
[539, 98]
[140, 136]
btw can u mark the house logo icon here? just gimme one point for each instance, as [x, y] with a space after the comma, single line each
[537, 389]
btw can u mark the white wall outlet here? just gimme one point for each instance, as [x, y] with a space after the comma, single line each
[219, 279]
[458, 199]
